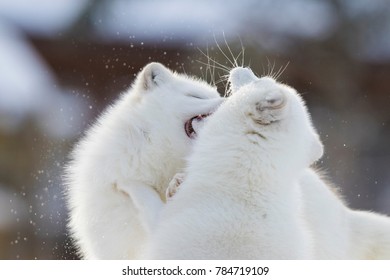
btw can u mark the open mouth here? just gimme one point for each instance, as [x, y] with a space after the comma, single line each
[190, 124]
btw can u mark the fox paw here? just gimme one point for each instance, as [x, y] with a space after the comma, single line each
[174, 185]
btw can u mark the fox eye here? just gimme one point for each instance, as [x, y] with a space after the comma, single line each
[195, 96]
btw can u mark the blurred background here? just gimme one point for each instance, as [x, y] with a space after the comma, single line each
[63, 61]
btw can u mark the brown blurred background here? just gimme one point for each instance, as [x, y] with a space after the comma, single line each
[63, 61]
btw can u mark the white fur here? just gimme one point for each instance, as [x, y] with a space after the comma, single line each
[339, 232]
[241, 198]
[122, 166]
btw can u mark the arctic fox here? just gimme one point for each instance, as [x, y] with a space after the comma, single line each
[240, 198]
[337, 232]
[120, 169]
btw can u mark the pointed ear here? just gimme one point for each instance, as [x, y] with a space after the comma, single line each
[239, 77]
[153, 75]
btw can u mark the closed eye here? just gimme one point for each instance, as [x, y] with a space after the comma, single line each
[196, 96]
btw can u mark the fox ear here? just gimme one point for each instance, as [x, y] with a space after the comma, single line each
[153, 75]
[239, 77]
